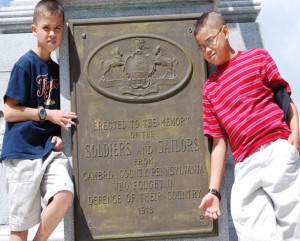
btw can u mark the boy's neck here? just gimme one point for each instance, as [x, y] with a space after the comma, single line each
[232, 53]
[42, 54]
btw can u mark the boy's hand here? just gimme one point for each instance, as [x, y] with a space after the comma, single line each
[59, 145]
[211, 205]
[61, 117]
[294, 140]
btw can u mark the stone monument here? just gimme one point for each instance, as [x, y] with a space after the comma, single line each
[131, 71]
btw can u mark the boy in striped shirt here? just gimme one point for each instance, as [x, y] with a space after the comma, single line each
[239, 108]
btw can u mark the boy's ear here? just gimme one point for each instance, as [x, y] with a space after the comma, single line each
[226, 31]
[33, 29]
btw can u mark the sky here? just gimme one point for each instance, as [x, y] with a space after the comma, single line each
[4, 3]
[280, 23]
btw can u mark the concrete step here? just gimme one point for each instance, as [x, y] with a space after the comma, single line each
[57, 235]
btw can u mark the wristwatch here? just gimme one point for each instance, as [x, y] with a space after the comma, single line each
[215, 192]
[42, 114]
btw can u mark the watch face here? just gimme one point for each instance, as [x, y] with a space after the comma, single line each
[42, 113]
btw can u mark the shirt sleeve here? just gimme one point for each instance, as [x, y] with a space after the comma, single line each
[18, 87]
[272, 74]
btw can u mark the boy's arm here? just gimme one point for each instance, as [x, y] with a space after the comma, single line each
[210, 203]
[293, 118]
[15, 112]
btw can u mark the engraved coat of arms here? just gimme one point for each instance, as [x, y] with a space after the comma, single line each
[138, 68]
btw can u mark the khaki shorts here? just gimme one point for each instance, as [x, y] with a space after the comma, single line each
[31, 183]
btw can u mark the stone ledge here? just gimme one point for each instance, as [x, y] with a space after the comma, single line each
[7, 15]
[97, 3]
[17, 9]
[12, 26]
[23, 2]
[240, 11]
[17, 18]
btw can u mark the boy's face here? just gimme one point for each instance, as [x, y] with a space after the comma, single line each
[49, 33]
[212, 44]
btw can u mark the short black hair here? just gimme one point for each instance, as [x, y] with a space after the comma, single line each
[213, 19]
[51, 6]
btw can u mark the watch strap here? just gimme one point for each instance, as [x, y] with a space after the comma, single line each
[42, 118]
[215, 192]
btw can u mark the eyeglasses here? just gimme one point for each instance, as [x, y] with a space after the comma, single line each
[211, 41]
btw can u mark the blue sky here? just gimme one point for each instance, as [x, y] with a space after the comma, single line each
[280, 22]
[4, 3]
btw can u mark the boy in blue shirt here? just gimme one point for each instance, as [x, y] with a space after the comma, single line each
[36, 168]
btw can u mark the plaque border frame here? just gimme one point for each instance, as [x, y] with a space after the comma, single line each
[159, 235]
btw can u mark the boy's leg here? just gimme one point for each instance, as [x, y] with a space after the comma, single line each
[265, 195]
[23, 189]
[18, 235]
[282, 183]
[252, 209]
[57, 191]
[53, 214]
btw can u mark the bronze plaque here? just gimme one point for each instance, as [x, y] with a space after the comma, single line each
[140, 160]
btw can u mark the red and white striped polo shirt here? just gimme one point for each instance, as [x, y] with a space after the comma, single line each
[238, 103]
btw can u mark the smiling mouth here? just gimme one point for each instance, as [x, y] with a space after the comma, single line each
[212, 55]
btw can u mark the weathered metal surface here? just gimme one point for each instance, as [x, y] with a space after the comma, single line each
[140, 160]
